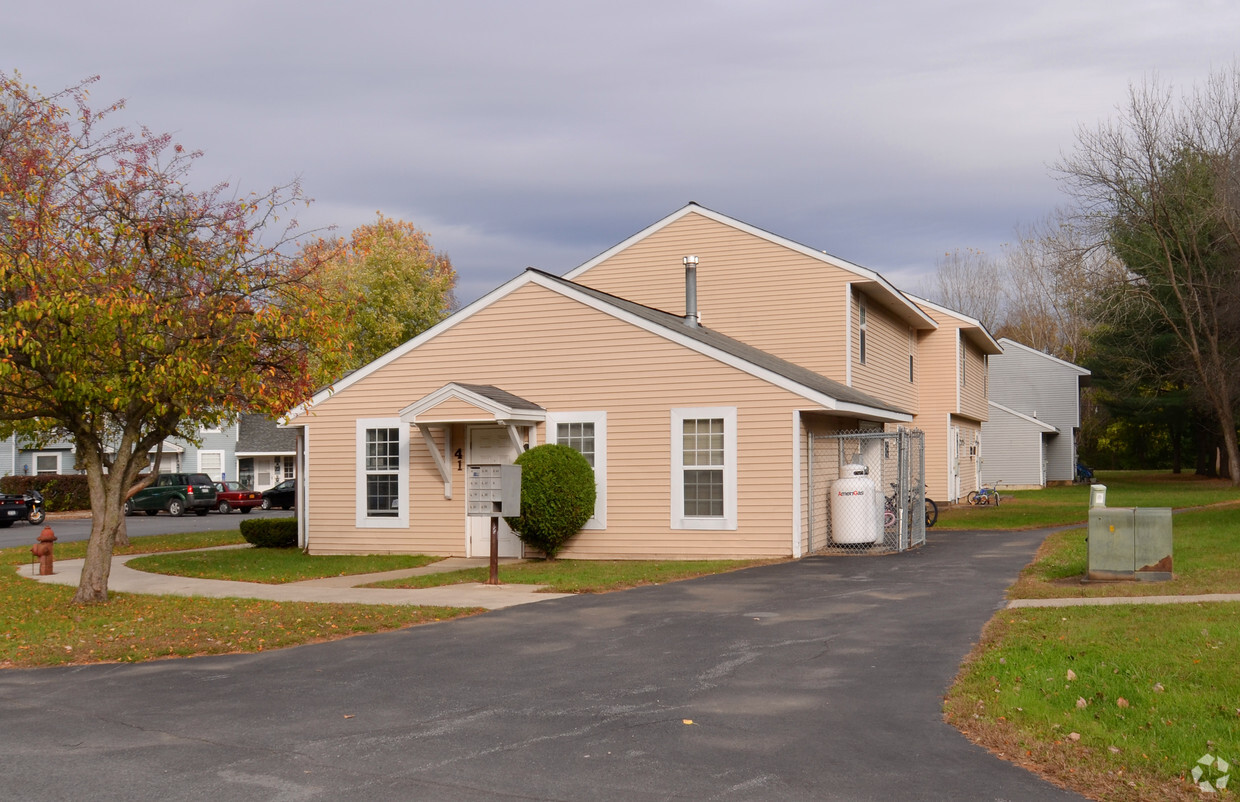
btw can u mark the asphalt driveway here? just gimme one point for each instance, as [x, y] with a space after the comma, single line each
[819, 679]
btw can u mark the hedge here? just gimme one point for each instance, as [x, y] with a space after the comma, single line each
[270, 533]
[557, 497]
[61, 492]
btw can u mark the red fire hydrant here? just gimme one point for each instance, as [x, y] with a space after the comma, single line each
[43, 550]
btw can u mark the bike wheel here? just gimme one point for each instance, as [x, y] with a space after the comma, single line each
[973, 498]
[36, 516]
[889, 519]
[932, 513]
[996, 498]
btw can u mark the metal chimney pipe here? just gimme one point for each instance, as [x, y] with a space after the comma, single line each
[691, 313]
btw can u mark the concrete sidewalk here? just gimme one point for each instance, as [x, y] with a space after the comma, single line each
[332, 590]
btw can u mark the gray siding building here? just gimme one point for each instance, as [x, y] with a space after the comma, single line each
[1035, 411]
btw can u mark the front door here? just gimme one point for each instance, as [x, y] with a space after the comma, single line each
[953, 463]
[491, 445]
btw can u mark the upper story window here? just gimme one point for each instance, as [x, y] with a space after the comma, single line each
[704, 468]
[912, 349]
[861, 325]
[586, 432]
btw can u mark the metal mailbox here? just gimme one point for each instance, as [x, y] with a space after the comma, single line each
[493, 490]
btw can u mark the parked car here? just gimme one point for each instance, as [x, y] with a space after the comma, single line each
[21, 507]
[231, 496]
[176, 493]
[283, 495]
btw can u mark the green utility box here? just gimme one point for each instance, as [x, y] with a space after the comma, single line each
[1130, 543]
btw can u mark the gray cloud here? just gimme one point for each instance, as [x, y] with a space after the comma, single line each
[541, 133]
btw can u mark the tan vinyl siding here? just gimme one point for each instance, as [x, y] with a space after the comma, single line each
[941, 397]
[756, 291]
[973, 391]
[884, 374]
[568, 357]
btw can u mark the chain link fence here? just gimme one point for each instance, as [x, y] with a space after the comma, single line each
[867, 491]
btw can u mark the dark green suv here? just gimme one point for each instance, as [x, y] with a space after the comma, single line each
[176, 493]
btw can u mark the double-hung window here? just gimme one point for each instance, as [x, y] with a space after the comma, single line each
[586, 432]
[704, 468]
[382, 473]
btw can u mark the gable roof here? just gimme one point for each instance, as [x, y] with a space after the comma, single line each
[1010, 343]
[812, 386]
[973, 328]
[500, 404]
[877, 287]
[1040, 424]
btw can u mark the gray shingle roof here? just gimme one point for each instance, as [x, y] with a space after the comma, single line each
[762, 359]
[258, 434]
[500, 396]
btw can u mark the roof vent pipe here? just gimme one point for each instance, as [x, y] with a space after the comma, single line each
[691, 313]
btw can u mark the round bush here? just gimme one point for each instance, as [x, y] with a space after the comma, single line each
[557, 497]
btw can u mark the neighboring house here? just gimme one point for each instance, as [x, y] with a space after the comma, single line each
[266, 454]
[1035, 404]
[954, 386]
[252, 449]
[696, 422]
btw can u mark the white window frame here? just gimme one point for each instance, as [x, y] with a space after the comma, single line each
[221, 471]
[679, 520]
[401, 519]
[599, 419]
[34, 463]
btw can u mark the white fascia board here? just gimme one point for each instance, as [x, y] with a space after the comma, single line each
[265, 454]
[459, 316]
[971, 321]
[1043, 425]
[1005, 342]
[783, 382]
[804, 250]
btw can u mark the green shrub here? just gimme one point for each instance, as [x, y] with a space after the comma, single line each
[61, 492]
[270, 533]
[557, 497]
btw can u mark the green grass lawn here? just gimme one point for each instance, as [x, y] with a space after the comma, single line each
[40, 627]
[1155, 686]
[580, 576]
[273, 566]
[1205, 548]
[1055, 506]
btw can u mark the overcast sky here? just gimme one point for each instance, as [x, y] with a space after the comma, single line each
[539, 132]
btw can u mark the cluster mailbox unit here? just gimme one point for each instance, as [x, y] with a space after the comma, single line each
[493, 491]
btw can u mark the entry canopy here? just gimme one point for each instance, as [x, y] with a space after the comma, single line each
[468, 403]
[472, 403]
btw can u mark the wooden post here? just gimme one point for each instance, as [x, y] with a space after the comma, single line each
[494, 578]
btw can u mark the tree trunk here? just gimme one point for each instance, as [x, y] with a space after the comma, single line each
[107, 494]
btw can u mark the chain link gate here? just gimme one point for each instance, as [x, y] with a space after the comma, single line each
[867, 491]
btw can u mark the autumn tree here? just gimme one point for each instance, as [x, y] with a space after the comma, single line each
[133, 308]
[1161, 187]
[385, 285]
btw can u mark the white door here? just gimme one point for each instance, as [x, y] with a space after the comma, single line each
[491, 445]
[953, 463]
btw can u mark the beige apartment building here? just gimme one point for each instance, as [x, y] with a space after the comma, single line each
[693, 397]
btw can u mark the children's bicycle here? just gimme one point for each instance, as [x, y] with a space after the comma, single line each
[889, 509]
[986, 496]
